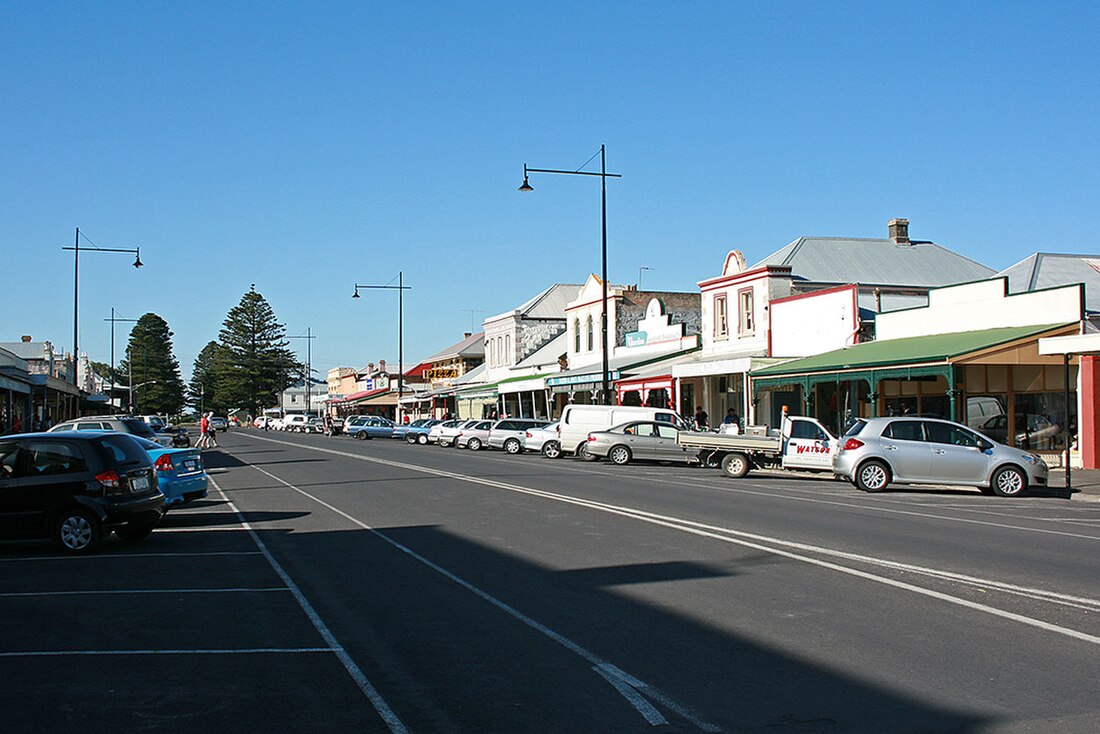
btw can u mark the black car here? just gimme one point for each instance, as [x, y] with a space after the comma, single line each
[76, 488]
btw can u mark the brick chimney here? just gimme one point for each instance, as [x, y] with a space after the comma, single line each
[382, 366]
[467, 334]
[899, 231]
[26, 339]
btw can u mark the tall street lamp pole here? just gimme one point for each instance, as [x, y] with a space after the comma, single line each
[76, 250]
[605, 390]
[400, 288]
[309, 337]
[113, 321]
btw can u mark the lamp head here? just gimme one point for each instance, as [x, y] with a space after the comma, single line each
[137, 259]
[526, 186]
[356, 294]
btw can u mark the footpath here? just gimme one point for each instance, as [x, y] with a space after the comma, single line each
[1085, 485]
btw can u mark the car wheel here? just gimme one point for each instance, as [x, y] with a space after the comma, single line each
[1008, 481]
[619, 455]
[78, 531]
[362, 435]
[873, 476]
[512, 446]
[736, 465]
[584, 455]
[134, 533]
[551, 449]
[422, 439]
[474, 444]
[409, 438]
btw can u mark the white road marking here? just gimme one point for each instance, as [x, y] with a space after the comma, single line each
[728, 535]
[228, 651]
[110, 592]
[562, 640]
[201, 529]
[388, 715]
[113, 556]
[637, 700]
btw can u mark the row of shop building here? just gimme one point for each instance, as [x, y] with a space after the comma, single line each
[39, 386]
[836, 328]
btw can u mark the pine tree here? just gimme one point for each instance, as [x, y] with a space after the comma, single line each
[202, 390]
[151, 367]
[255, 364]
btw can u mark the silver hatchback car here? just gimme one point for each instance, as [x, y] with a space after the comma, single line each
[877, 451]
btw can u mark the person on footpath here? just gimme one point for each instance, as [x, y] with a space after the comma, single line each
[702, 422]
[204, 426]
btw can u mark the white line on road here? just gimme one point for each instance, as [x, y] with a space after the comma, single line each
[109, 592]
[392, 720]
[229, 651]
[727, 535]
[115, 556]
[574, 647]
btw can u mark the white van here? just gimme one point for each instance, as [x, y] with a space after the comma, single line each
[577, 421]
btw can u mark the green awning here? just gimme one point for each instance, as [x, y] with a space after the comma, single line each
[911, 350]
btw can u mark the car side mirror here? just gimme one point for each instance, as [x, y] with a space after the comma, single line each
[984, 446]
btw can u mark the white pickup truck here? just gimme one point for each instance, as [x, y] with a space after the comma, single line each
[803, 444]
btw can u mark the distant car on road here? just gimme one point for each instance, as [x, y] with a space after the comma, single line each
[181, 474]
[508, 433]
[417, 431]
[118, 423]
[75, 488]
[474, 437]
[877, 451]
[544, 440]
[219, 423]
[370, 426]
[640, 440]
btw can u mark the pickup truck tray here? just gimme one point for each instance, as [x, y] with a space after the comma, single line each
[730, 442]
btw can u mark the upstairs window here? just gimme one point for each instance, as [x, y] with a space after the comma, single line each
[577, 336]
[747, 323]
[721, 317]
[591, 341]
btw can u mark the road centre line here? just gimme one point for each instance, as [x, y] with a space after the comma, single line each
[110, 592]
[643, 707]
[388, 715]
[728, 535]
[227, 651]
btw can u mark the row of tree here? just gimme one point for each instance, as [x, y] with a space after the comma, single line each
[245, 369]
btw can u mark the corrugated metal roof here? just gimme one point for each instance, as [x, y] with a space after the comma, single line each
[548, 304]
[477, 374]
[910, 350]
[1050, 270]
[548, 353]
[471, 346]
[875, 261]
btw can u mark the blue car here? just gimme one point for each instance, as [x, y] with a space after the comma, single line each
[181, 474]
[370, 426]
[417, 431]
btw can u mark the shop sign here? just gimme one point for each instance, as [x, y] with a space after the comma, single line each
[580, 379]
[655, 327]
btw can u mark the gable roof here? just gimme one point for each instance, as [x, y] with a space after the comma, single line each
[547, 354]
[471, 346]
[548, 304]
[1050, 270]
[875, 261]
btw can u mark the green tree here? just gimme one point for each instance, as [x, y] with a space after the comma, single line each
[156, 380]
[255, 364]
[202, 391]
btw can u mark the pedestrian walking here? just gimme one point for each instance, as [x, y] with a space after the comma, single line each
[212, 433]
[204, 427]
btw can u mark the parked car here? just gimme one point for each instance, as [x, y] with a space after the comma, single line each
[118, 423]
[219, 423]
[300, 423]
[181, 474]
[577, 421]
[877, 451]
[370, 426]
[544, 440]
[444, 433]
[75, 488]
[449, 435]
[1032, 431]
[263, 421]
[417, 431]
[508, 433]
[640, 440]
[474, 436]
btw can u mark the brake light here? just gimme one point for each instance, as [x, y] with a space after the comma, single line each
[591, 437]
[163, 463]
[527, 434]
[109, 480]
[852, 444]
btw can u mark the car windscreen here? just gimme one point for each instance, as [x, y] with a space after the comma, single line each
[124, 449]
[138, 428]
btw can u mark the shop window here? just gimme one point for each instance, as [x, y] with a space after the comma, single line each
[747, 322]
[657, 398]
[631, 397]
[1041, 420]
[721, 317]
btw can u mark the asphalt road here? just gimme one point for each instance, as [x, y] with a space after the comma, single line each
[329, 585]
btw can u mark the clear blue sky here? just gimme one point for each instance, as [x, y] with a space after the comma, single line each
[304, 147]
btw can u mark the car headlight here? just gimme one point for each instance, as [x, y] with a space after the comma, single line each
[1032, 458]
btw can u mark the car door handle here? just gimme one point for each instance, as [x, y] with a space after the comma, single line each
[888, 447]
[938, 451]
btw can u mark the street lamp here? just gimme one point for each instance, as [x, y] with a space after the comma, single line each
[113, 321]
[135, 387]
[76, 249]
[309, 337]
[604, 175]
[400, 288]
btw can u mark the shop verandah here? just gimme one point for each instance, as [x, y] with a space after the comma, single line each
[993, 380]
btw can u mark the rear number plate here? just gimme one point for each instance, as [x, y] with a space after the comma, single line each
[190, 466]
[139, 484]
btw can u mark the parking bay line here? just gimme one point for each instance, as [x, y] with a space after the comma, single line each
[388, 715]
[762, 543]
[111, 556]
[226, 651]
[110, 592]
[619, 680]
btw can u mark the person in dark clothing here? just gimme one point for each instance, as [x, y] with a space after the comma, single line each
[702, 421]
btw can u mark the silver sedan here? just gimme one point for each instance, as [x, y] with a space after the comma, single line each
[640, 440]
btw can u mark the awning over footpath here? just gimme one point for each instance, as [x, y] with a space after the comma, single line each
[588, 377]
